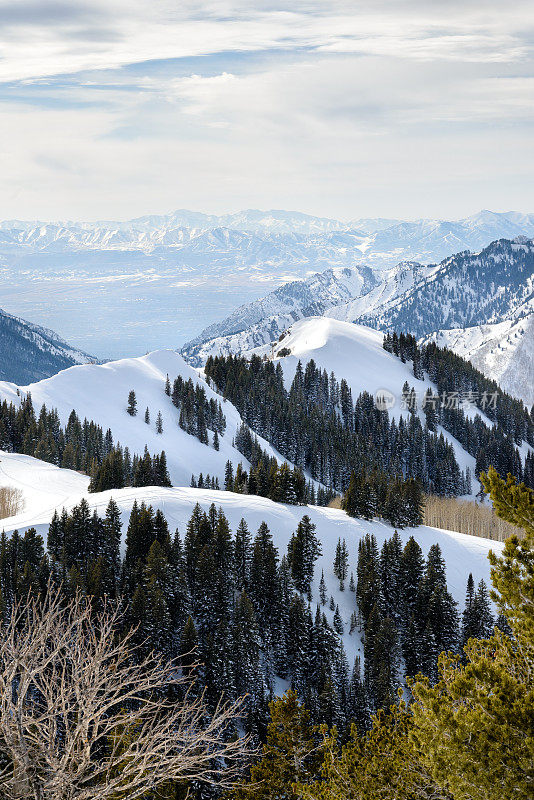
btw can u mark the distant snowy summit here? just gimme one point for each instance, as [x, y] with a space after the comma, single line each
[268, 238]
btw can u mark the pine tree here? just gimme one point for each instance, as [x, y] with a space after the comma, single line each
[341, 563]
[469, 622]
[147, 416]
[303, 550]
[159, 423]
[242, 557]
[290, 754]
[322, 589]
[338, 622]
[132, 404]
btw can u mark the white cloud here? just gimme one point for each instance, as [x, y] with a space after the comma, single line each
[414, 109]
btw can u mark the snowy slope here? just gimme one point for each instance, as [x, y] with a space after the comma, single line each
[491, 286]
[264, 320]
[100, 393]
[57, 488]
[503, 351]
[355, 353]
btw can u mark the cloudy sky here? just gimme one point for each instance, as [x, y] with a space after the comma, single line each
[406, 108]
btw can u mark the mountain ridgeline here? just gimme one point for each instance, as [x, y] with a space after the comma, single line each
[30, 353]
[464, 292]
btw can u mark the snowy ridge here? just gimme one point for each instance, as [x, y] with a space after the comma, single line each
[58, 488]
[489, 287]
[100, 393]
[264, 320]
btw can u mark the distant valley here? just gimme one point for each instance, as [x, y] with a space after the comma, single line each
[125, 288]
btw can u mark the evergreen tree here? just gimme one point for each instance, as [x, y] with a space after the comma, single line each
[132, 404]
[304, 549]
[159, 423]
[290, 754]
[322, 590]
[147, 416]
[242, 557]
[341, 563]
[338, 622]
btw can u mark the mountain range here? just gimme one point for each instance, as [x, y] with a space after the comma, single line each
[155, 277]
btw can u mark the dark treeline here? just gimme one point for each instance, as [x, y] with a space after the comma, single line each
[82, 446]
[119, 470]
[266, 478]
[317, 427]
[197, 413]
[399, 502]
[457, 379]
[244, 608]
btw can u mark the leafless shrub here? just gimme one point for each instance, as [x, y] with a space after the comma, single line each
[81, 719]
[11, 501]
[465, 516]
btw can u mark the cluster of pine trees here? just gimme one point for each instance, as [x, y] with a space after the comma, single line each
[80, 446]
[399, 502]
[456, 380]
[267, 478]
[244, 608]
[197, 413]
[446, 741]
[118, 470]
[77, 446]
[317, 427]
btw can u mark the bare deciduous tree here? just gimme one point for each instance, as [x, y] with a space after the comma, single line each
[81, 719]
[11, 501]
[475, 519]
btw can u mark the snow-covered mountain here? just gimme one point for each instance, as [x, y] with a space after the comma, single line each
[503, 351]
[29, 352]
[263, 321]
[465, 290]
[46, 488]
[187, 268]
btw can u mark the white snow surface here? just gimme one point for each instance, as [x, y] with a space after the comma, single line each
[99, 392]
[46, 488]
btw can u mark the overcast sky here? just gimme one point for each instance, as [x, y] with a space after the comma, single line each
[115, 108]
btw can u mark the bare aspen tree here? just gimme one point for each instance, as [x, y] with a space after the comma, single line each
[81, 718]
[11, 501]
[464, 516]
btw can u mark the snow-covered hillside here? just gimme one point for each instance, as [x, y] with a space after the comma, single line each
[29, 352]
[503, 351]
[355, 353]
[100, 393]
[46, 488]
